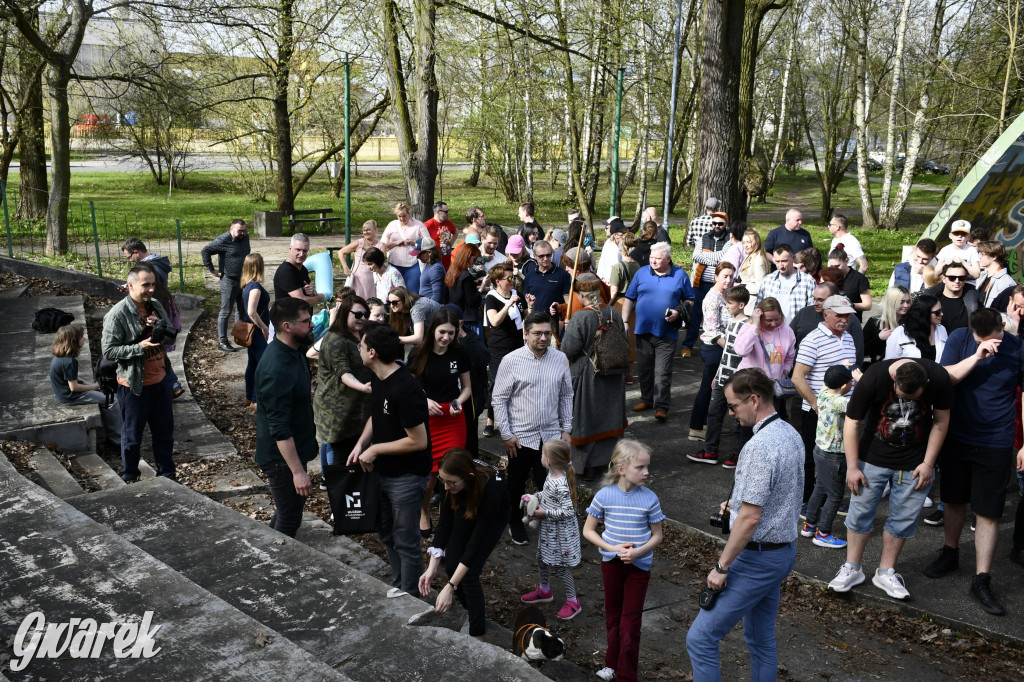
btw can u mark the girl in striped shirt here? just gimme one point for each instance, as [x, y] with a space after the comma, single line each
[632, 529]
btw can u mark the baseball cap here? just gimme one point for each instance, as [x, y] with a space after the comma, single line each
[560, 236]
[837, 376]
[838, 304]
[615, 225]
[473, 239]
[516, 244]
[960, 226]
[571, 255]
[422, 244]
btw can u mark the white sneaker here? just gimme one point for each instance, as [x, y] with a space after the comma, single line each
[928, 504]
[606, 674]
[891, 584]
[846, 579]
[395, 592]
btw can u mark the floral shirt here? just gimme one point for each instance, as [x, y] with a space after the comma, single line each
[716, 316]
[828, 435]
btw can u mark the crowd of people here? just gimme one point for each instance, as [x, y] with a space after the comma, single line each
[437, 326]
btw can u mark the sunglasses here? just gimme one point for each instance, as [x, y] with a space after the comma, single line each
[937, 313]
[510, 279]
[718, 224]
[393, 302]
[957, 278]
[358, 314]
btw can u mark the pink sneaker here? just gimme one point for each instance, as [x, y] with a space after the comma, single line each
[538, 596]
[571, 609]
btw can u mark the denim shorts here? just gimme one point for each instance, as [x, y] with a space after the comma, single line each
[905, 503]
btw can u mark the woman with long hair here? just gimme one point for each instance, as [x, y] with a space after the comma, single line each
[712, 343]
[473, 515]
[503, 313]
[341, 404]
[755, 266]
[442, 367]
[385, 276]
[466, 283]
[255, 310]
[359, 275]
[768, 343]
[409, 314]
[399, 237]
[877, 330]
[67, 388]
[809, 261]
[648, 237]
[920, 333]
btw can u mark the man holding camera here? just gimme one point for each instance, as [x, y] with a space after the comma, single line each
[134, 333]
[764, 512]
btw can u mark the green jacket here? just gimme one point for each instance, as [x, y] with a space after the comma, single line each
[122, 332]
[284, 404]
[339, 411]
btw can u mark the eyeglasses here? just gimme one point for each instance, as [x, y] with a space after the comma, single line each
[393, 302]
[543, 255]
[937, 313]
[718, 224]
[956, 278]
[308, 320]
[540, 335]
[509, 279]
[358, 314]
[732, 406]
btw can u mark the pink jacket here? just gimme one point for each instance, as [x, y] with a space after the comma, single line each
[781, 339]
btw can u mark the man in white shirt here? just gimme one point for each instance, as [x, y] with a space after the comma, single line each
[489, 247]
[959, 251]
[841, 235]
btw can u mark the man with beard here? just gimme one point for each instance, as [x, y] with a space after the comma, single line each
[285, 431]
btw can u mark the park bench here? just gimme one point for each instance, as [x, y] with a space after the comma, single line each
[323, 218]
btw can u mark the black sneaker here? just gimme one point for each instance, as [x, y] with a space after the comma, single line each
[519, 536]
[947, 562]
[489, 431]
[981, 589]
[935, 518]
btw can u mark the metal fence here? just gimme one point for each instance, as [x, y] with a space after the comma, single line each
[96, 231]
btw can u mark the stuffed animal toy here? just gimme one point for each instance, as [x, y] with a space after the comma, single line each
[529, 504]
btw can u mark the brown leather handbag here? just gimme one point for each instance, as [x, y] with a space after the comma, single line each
[243, 332]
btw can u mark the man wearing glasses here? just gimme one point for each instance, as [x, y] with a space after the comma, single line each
[443, 232]
[547, 283]
[285, 432]
[958, 298]
[292, 277]
[532, 401]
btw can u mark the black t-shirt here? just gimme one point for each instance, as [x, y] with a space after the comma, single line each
[896, 430]
[855, 285]
[288, 278]
[399, 403]
[505, 336]
[954, 313]
[62, 370]
[441, 374]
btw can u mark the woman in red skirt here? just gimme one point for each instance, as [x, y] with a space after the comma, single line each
[442, 368]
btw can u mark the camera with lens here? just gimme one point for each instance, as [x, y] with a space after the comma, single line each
[478, 270]
[720, 521]
[163, 333]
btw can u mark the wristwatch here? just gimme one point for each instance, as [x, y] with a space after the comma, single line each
[718, 567]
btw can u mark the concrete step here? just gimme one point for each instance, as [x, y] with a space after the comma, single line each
[58, 562]
[52, 474]
[335, 612]
[318, 534]
[96, 468]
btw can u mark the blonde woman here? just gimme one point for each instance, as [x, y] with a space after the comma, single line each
[359, 276]
[399, 237]
[256, 309]
[755, 266]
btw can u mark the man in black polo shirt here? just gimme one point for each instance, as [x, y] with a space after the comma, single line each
[792, 233]
[855, 286]
[547, 283]
[958, 298]
[395, 443]
[292, 277]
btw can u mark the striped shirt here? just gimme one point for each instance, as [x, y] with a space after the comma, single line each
[793, 292]
[822, 349]
[730, 358]
[627, 518]
[532, 397]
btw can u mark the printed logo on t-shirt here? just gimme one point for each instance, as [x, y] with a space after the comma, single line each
[454, 366]
[386, 410]
[902, 422]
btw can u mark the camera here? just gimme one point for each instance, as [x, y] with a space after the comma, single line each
[163, 333]
[479, 268]
[720, 521]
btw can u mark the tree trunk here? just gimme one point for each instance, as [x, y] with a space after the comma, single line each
[783, 106]
[33, 182]
[644, 154]
[575, 172]
[720, 143]
[60, 140]
[282, 119]
[1012, 29]
[890, 133]
[861, 111]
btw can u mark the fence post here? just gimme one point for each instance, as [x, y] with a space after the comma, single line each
[96, 238]
[7, 220]
[181, 261]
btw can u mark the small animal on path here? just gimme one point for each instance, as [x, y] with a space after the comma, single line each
[533, 640]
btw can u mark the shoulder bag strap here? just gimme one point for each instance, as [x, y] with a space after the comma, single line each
[764, 350]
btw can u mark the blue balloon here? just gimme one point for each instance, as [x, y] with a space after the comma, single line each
[323, 270]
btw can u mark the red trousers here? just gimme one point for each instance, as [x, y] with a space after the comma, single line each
[625, 588]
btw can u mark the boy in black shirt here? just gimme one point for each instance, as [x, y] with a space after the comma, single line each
[395, 443]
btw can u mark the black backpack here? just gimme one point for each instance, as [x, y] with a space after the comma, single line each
[105, 373]
[49, 320]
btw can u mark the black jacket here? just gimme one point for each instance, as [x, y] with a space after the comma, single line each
[230, 252]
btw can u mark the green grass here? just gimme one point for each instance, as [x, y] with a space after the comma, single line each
[130, 203]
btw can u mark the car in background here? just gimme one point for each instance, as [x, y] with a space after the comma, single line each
[934, 167]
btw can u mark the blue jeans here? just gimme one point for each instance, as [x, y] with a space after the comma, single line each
[697, 315]
[153, 407]
[254, 353]
[905, 503]
[401, 498]
[751, 594]
[288, 504]
[711, 354]
[411, 275]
